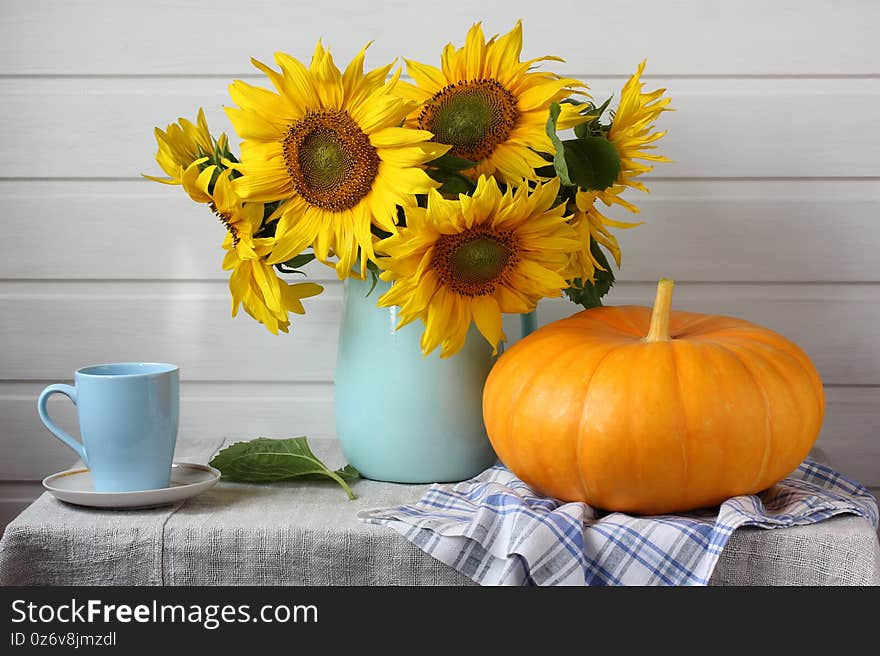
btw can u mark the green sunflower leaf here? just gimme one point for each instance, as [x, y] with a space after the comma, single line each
[451, 163]
[451, 183]
[268, 211]
[604, 278]
[584, 130]
[592, 162]
[266, 460]
[300, 260]
[294, 264]
[374, 271]
[559, 159]
[590, 127]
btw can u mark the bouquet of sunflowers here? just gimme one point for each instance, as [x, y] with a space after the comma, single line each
[455, 187]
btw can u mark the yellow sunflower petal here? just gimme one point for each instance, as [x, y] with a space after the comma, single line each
[354, 73]
[394, 137]
[239, 282]
[632, 131]
[504, 49]
[299, 87]
[268, 283]
[487, 316]
[510, 301]
[250, 125]
[294, 236]
[474, 53]
[262, 183]
[328, 78]
[426, 77]
[195, 181]
[460, 321]
[411, 156]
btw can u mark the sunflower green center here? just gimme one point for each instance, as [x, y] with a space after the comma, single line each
[474, 262]
[472, 116]
[330, 161]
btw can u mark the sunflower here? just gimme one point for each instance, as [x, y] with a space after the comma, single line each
[253, 282]
[473, 258]
[591, 225]
[329, 145]
[241, 220]
[489, 106]
[632, 133]
[184, 148]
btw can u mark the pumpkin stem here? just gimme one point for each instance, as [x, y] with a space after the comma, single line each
[659, 330]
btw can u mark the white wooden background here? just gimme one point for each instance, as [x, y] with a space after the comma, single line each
[771, 210]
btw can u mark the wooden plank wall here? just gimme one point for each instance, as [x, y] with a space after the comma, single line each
[770, 210]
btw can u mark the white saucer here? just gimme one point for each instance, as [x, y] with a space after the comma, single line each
[187, 480]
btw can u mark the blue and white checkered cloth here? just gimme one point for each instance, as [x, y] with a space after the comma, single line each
[498, 531]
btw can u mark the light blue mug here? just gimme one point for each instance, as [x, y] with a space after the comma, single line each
[128, 417]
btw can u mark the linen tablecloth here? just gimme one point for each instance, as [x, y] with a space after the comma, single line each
[309, 534]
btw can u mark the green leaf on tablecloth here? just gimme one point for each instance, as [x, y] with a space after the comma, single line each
[266, 460]
[347, 473]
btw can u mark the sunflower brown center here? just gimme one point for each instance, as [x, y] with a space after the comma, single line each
[226, 220]
[474, 262]
[472, 116]
[330, 160]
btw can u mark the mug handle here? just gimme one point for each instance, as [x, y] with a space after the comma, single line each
[70, 393]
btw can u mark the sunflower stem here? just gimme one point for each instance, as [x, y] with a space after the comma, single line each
[659, 329]
[529, 322]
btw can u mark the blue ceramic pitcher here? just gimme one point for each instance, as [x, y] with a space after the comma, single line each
[400, 416]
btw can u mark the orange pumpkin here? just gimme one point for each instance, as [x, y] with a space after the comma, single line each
[650, 413]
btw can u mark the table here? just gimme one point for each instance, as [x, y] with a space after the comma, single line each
[308, 534]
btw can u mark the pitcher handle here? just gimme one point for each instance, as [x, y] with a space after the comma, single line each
[528, 323]
[69, 392]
